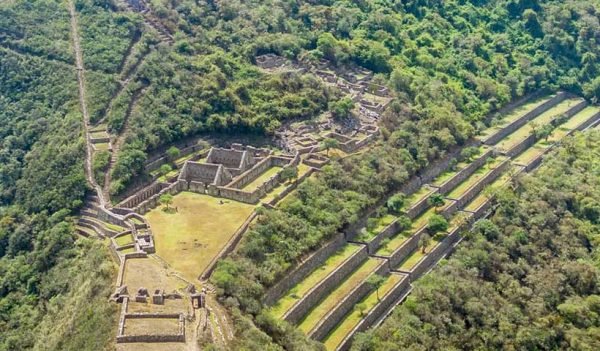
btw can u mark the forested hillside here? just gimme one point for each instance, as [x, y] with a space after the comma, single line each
[526, 279]
[449, 63]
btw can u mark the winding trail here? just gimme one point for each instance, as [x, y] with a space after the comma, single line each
[89, 174]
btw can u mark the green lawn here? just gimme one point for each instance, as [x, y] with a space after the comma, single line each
[136, 220]
[124, 240]
[128, 250]
[531, 153]
[463, 187]
[514, 115]
[113, 227]
[300, 290]
[190, 238]
[335, 338]
[266, 175]
[545, 118]
[333, 299]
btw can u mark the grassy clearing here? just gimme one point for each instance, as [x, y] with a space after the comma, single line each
[335, 338]
[128, 250]
[545, 118]
[333, 299]
[101, 147]
[527, 156]
[190, 238]
[152, 326]
[114, 227]
[124, 239]
[300, 290]
[514, 115]
[480, 173]
[266, 175]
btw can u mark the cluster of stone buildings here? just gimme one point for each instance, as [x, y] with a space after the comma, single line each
[371, 100]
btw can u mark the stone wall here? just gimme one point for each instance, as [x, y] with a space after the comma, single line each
[142, 195]
[474, 190]
[229, 247]
[442, 164]
[410, 245]
[387, 301]
[324, 287]
[303, 269]
[418, 208]
[435, 254]
[335, 316]
[388, 231]
[259, 168]
[512, 127]
[466, 172]
[179, 337]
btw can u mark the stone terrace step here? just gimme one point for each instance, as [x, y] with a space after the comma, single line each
[394, 287]
[331, 301]
[286, 303]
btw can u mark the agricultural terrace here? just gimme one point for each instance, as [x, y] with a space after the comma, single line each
[190, 237]
[543, 119]
[362, 308]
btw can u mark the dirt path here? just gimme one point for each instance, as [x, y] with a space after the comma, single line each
[89, 174]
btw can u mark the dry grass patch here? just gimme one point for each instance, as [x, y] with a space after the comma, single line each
[191, 237]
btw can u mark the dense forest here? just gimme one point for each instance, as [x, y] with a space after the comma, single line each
[449, 63]
[525, 279]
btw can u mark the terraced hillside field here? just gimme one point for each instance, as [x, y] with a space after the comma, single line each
[467, 187]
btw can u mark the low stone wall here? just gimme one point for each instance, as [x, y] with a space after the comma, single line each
[512, 127]
[251, 174]
[442, 164]
[290, 188]
[229, 247]
[324, 287]
[474, 190]
[387, 232]
[335, 316]
[437, 253]
[466, 172]
[411, 244]
[417, 209]
[179, 337]
[303, 269]
[142, 195]
[595, 118]
[386, 302]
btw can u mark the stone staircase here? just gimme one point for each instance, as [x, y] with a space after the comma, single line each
[141, 7]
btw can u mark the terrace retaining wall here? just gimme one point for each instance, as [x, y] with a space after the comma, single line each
[476, 188]
[437, 253]
[303, 269]
[335, 316]
[411, 244]
[417, 209]
[521, 121]
[325, 286]
[387, 232]
[399, 290]
[465, 173]
[440, 165]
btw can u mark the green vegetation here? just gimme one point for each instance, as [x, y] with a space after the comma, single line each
[546, 253]
[261, 179]
[480, 173]
[298, 291]
[333, 299]
[352, 320]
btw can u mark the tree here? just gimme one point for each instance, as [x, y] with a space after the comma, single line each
[289, 173]
[424, 242]
[329, 143]
[164, 169]
[173, 153]
[166, 200]
[437, 224]
[544, 132]
[361, 308]
[375, 281]
[342, 108]
[395, 202]
[436, 200]
[468, 153]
